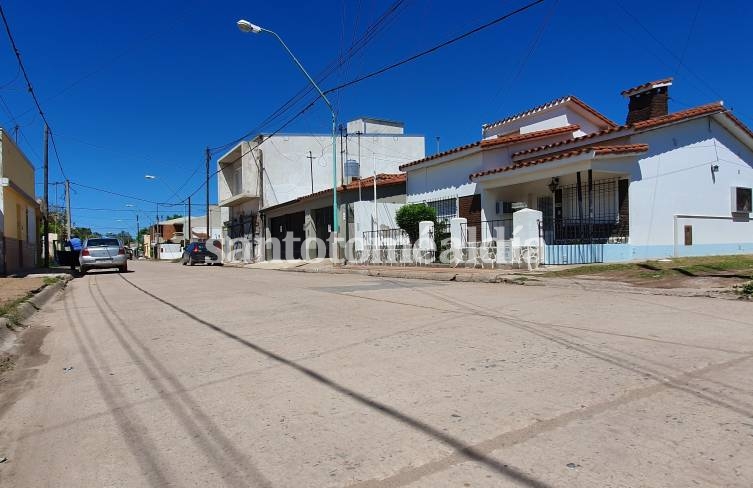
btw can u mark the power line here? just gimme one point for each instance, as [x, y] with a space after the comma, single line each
[373, 74]
[369, 34]
[434, 48]
[132, 197]
[668, 50]
[96, 209]
[690, 35]
[29, 86]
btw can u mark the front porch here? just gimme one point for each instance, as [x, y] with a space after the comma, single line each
[581, 212]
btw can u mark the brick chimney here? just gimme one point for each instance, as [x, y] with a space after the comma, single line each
[648, 101]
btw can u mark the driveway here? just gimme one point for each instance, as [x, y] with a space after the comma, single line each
[208, 376]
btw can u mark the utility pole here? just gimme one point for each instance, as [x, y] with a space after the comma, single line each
[46, 216]
[137, 235]
[190, 234]
[15, 132]
[437, 144]
[311, 163]
[342, 156]
[359, 164]
[208, 158]
[68, 209]
[376, 209]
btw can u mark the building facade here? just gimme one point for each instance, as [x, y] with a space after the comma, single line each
[19, 211]
[308, 219]
[269, 171]
[663, 184]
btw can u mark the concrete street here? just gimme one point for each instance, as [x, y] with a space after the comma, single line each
[210, 377]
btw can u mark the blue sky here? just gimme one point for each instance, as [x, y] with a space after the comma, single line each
[143, 88]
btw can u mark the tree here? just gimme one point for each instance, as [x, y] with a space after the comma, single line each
[171, 217]
[409, 216]
[84, 232]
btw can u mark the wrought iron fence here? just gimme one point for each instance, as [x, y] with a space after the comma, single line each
[393, 246]
[491, 230]
[587, 231]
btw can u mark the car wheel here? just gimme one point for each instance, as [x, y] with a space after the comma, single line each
[191, 261]
[83, 270]
[123, 269]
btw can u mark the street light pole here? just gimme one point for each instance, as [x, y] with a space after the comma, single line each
[248, 27]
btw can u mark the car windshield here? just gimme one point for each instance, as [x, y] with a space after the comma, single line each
[102, 243]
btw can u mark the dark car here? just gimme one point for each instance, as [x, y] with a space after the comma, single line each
[197, 252]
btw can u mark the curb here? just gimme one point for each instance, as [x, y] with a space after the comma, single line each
[28, 308]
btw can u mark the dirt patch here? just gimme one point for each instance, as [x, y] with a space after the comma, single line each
[7, 363]
[23, 366]
[713, 272]
[13, 289]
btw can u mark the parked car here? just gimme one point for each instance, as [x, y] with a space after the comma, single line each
[197, 252]
[103, 253]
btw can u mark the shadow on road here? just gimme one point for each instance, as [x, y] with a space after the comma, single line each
[234, 465]
[461, 448]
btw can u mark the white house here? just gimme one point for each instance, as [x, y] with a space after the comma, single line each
[269, 171]
[661, 185]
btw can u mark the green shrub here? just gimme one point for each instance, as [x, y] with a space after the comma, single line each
[408, 217]
[747, 288]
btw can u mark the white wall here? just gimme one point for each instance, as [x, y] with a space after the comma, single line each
[444, 180]
[363, 216]
[675, 178]
[558, 116]
[287, 169]
[375, 126]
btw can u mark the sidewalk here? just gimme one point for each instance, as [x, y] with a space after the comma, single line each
[433, 272]
[506, 275]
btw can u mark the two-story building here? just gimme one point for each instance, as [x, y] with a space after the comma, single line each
[271, 170]
[19, 210]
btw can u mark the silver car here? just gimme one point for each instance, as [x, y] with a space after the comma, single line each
[103, 253]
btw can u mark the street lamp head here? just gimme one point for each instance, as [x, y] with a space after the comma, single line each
[150, 177]
[246, 26]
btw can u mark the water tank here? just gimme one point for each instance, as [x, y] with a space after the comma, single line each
[352, 169]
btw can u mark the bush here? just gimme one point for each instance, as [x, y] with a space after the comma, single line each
[747, 289]
[408, 217]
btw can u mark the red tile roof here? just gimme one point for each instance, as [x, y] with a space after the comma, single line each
[499, 141]
[540, 134]
[598, 151]
[644, 125]
[383, 179]
[567, 142]
[553, 103]
[439, 155]
[647, 86]
[680, 116]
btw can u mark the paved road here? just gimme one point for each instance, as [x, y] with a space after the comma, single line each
[214, 377]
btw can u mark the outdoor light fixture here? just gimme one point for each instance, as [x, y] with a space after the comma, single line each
[246, 26]
[554, 184]
[714, 168]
